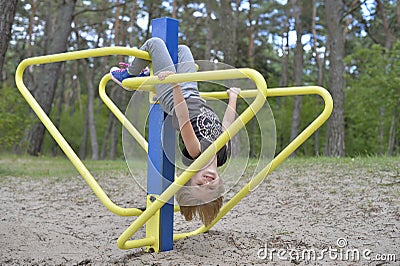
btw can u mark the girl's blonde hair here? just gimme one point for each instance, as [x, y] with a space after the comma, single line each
[192, 207]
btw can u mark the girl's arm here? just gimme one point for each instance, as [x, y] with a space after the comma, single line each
[189, 138]
[230, 113]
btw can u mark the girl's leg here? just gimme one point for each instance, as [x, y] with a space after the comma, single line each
[161, 61]
[186, 64]
[185, 60]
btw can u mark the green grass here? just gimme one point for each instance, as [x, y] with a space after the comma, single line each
[43, 167]
[370, 163]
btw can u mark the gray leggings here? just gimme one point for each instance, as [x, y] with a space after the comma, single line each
[161, 61]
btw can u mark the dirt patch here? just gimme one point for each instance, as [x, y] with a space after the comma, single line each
[300, 209]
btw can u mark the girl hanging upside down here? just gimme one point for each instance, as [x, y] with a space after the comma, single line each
[197, 123]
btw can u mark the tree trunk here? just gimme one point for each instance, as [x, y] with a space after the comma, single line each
[209, 35]
[76, 88]
[84, 142]
[386, 27]
[321, 67]
[297, 72]
[250, 49]
[284, 79]
[392, 132]
[90, 111]
[174, 8]
[31, 26]
[114, 138]
[150, 10]
[398, 13]
[120, 98]
[389, 39]
[320, 61]
[381, 130]
[112, 134]
[57, 43]
[133, 22]
[335, 144]
[117, 94]
[228, 31]
[8, 8]
[106, 136]
[59, 104]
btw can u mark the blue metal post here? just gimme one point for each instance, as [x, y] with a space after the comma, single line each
[161, 139]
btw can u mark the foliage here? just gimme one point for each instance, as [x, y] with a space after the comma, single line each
[372, 95]
[372, 92]
[14, 119]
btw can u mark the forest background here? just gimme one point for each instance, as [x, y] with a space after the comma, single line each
[350, 47]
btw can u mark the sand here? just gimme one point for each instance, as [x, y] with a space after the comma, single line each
[299, 209]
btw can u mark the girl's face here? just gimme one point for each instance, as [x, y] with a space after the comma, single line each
[206, 183]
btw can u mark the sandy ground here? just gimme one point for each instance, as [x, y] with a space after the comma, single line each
[300, 209]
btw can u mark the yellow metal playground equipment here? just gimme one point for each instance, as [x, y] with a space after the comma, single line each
[149, 215]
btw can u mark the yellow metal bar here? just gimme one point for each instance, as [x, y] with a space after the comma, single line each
[99, 192]
[153, 227]
[120, 116]
[137, 83]
[224, 94]
[272, 92]
[123, 241]
[74, 55]
[150, 81]
[290, 148]
[238, 73]
[259, 94]
[143, 242]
